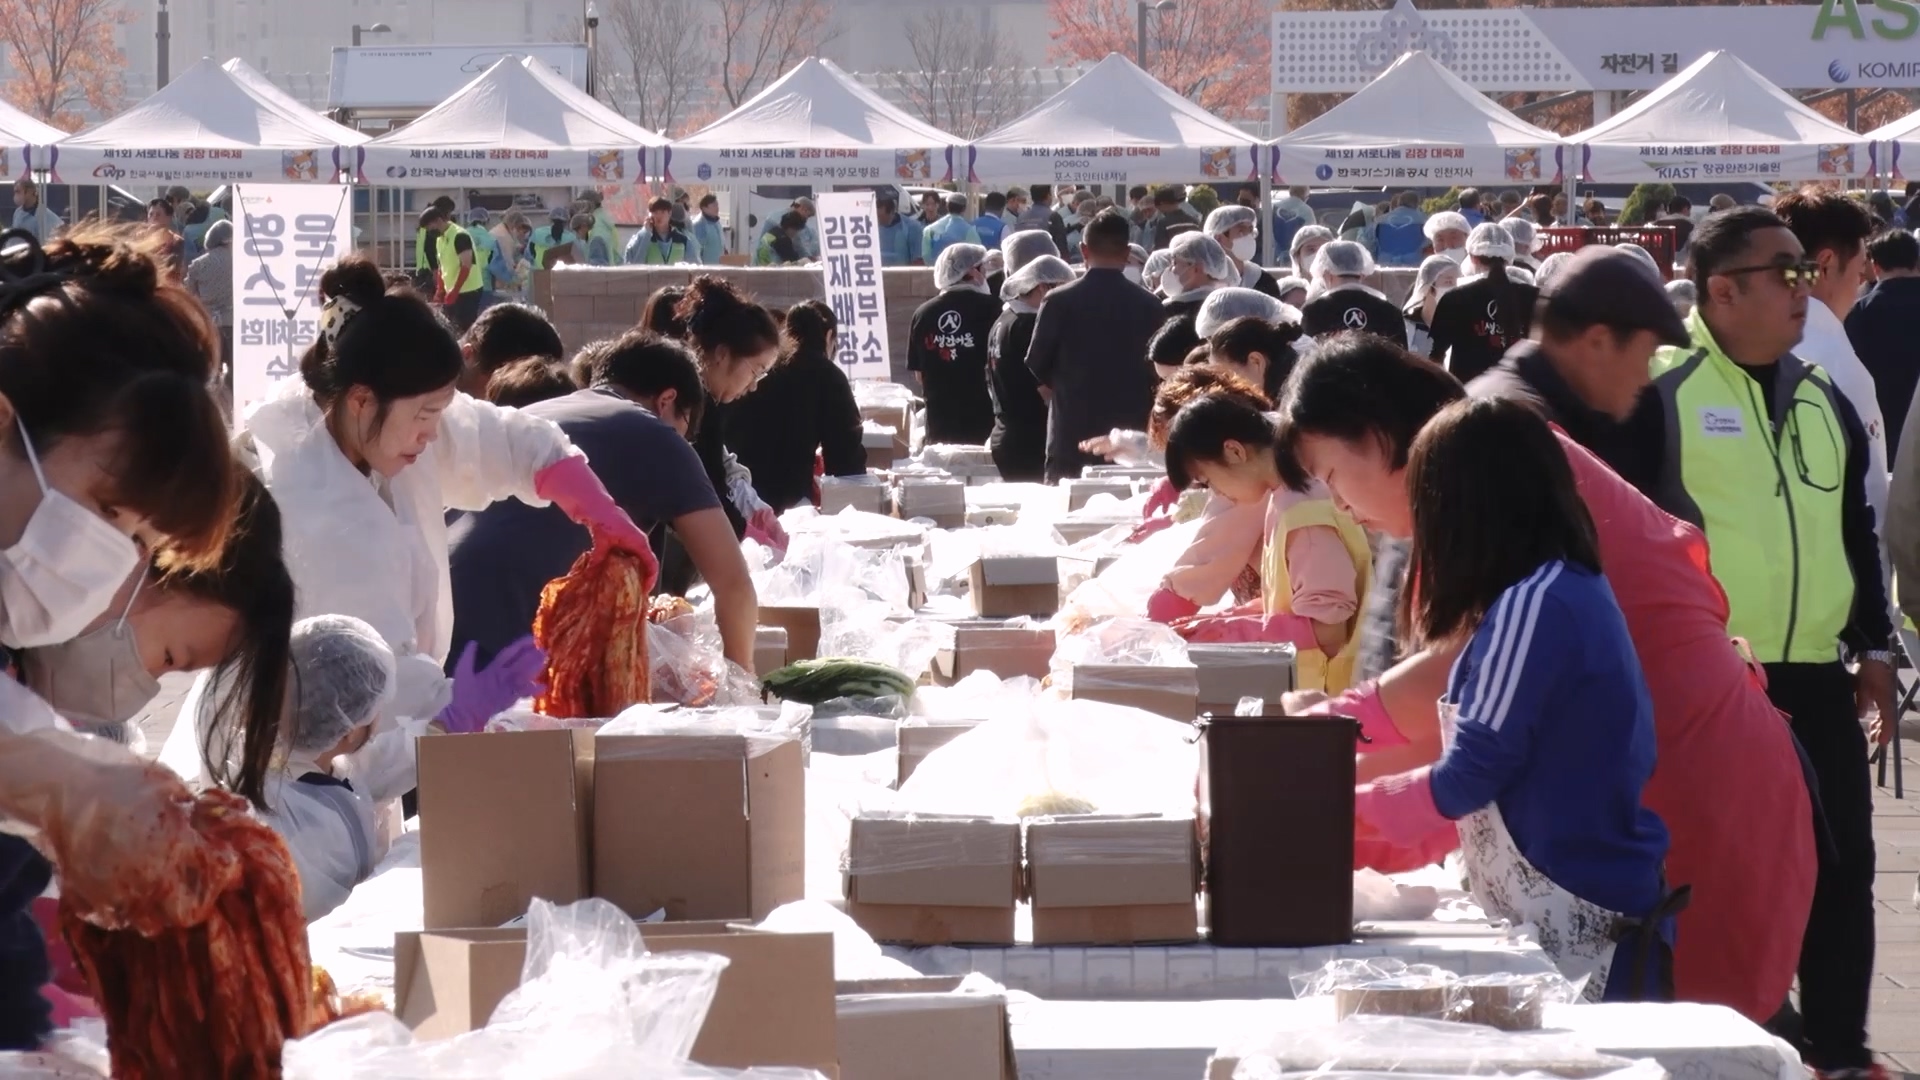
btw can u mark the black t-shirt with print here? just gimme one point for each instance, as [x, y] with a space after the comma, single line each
[1354, 309]
[1468, 321]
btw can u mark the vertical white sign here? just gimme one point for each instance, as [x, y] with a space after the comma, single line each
[285, 236]
[850, 263]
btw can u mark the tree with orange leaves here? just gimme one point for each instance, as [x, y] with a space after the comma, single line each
[1215, 52]
[63, 57]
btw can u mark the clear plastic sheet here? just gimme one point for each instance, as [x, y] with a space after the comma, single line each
[677, 731]
[1122, 589]
[824, 570]
[690, 666]
[1400, 1045]
[1508, 1002]
[869, 630]
[855, 955]
[1110, 840]
[894, 843]
[951, 457]
[979, 696]
[592, 1003]
[1129, 640]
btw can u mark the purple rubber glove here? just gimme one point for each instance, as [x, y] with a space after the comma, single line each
[1399, 808]
[572, 486]
[479, 696]
[1287, 629]
[1363, 704]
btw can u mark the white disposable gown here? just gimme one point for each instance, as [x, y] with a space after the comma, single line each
[333, 833]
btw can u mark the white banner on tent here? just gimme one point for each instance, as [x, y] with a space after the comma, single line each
[1421, 166]
[850, 266]
[1115, 164]
[816, 166]
[1673, 163]
[285, 236]
[392, 166]
[72, 164]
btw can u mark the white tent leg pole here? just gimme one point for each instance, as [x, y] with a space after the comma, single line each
[1572, 192]
[1265, 224]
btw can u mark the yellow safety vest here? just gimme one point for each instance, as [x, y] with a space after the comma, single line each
[450, 263]
[1313, 670]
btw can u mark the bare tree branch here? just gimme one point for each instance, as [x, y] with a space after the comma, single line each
[760, 40]
[965, 79]
[664, 43]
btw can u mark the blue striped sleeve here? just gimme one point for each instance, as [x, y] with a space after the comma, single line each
[1500, 687]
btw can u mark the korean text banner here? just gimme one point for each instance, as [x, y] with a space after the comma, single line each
[1692, 163]
[1419, 165]
[1115, 164]
[815, 166]
[398, 166]
[285, 236]
[850, 263]
[70, 164]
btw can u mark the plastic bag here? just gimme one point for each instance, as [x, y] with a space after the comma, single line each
[855, 955]
[1377, 897]
[824, 571]
[870, 631]
[1122, 589]
[1386, 987]
[764, 726]
[690, 667]
[1128, 641]
[1400, 1045]
[592, 1003]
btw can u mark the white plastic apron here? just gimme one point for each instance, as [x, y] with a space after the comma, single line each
[1577, 935]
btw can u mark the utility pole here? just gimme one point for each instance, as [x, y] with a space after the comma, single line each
[163, 47]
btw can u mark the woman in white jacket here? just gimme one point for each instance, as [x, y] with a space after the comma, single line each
[365, 453]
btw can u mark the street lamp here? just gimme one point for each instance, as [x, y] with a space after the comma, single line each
[1140, 43]
[593, 31]
[376, 28]
[163, 46]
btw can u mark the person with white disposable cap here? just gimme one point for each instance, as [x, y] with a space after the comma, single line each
[1684, 295]
[1526, 241]
[1026, 245]
[1438, 275]
[1233, 228]
[1200, 265]
[1154, 271]
[1306, 244]
[1550, 266]
[1137, 257]
[343, 681]
[1019, 439]
[1644, 258]
[1475, 324]
[1293, 290]
[1447, 233]
[1225, 305]
[947, 347]
[1341, 301]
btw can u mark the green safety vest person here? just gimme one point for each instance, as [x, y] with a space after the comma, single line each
[486, 252]
[426, 262]
[461, 276]
[603, 229]
[659, 244]
[780, 246]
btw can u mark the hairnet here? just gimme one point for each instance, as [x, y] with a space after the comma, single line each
[1291, 282]
[219, 235]
[955, 263]
[1136, 254]
[1045, 270]
[1205, 252]
[1526, 235]
[1342, 259]
[1645, 258]
[1306, 235]
[1155, 269]
[1225, 218]
[1682, 289]
[1025, 246]
[1550, 266]
[1447, 221]
[1431, 269]
[1222, 306]
[343, 677]
[1490, 240]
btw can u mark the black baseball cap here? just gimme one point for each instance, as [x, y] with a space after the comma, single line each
[1605, 286]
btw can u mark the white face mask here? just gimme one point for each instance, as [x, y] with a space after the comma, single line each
[1458, 255]
[63, 572]
[1133, 274]
[96, 679]
[1245, 248]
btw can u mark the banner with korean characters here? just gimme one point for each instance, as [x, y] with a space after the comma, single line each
[73, 163]
[850, 266]
[285, 236]
[817, 167]
[1441, 166]
[445, 166]
[1684, 163]
[1008, 164]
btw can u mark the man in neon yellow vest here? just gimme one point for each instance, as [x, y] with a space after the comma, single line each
[659, 243]
[461, 275]
[604, 229]
[1766, 455]
[426, 258]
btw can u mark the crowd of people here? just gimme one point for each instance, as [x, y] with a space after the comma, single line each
[1603, 570]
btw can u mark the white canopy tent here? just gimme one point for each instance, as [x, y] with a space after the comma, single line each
[1418, 125]
[264, 87]
[19, 132]
[208, 126]
[1892, 142]
[517, 125]
[1116, 124]
[1720, 120]
[817, 127]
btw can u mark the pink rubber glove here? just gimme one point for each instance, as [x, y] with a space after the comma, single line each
[1288, 629]
[1149, 527]
[1370, 852]
[1399, 808]
[764, 529]
[1363, 704]
[1166, 606]
[1163, 496]
[479, 696]
[572, 486]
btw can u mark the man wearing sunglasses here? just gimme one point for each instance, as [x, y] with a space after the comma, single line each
[1766, 455]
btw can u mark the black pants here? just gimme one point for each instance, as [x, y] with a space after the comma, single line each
[464, 309]
[1836, 959]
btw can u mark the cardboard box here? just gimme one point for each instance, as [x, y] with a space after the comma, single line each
[1076, 530]
[504, 818]
[931, 880]
[704, 826]
[802, 624]
[884, 446]
[1005, 586]
[917, 739]
[1007, 651]
[769, 649]
[1082, 491]
[1113, 880]
[774, 1007]
[898, 418]
[1227, 673]
[1123, 472]
[867, 494]
[1172, 692]
[920, 1029]
[941, 499]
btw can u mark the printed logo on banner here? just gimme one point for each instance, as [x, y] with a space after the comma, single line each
[1524, 164]
[300, 164]
[607, 166]
[1323, 172]
[704, 172]
[911, 165]
[1218, 163]
[1836, 159]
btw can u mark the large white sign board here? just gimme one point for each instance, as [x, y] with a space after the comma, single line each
[850, 267]
[285, 236]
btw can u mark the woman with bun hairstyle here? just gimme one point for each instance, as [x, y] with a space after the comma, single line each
[737, 343]
[803, 407]
[364, 454]
[112, 446]
[1258, 350]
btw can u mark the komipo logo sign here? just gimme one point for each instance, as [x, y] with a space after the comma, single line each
[1862, 20]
